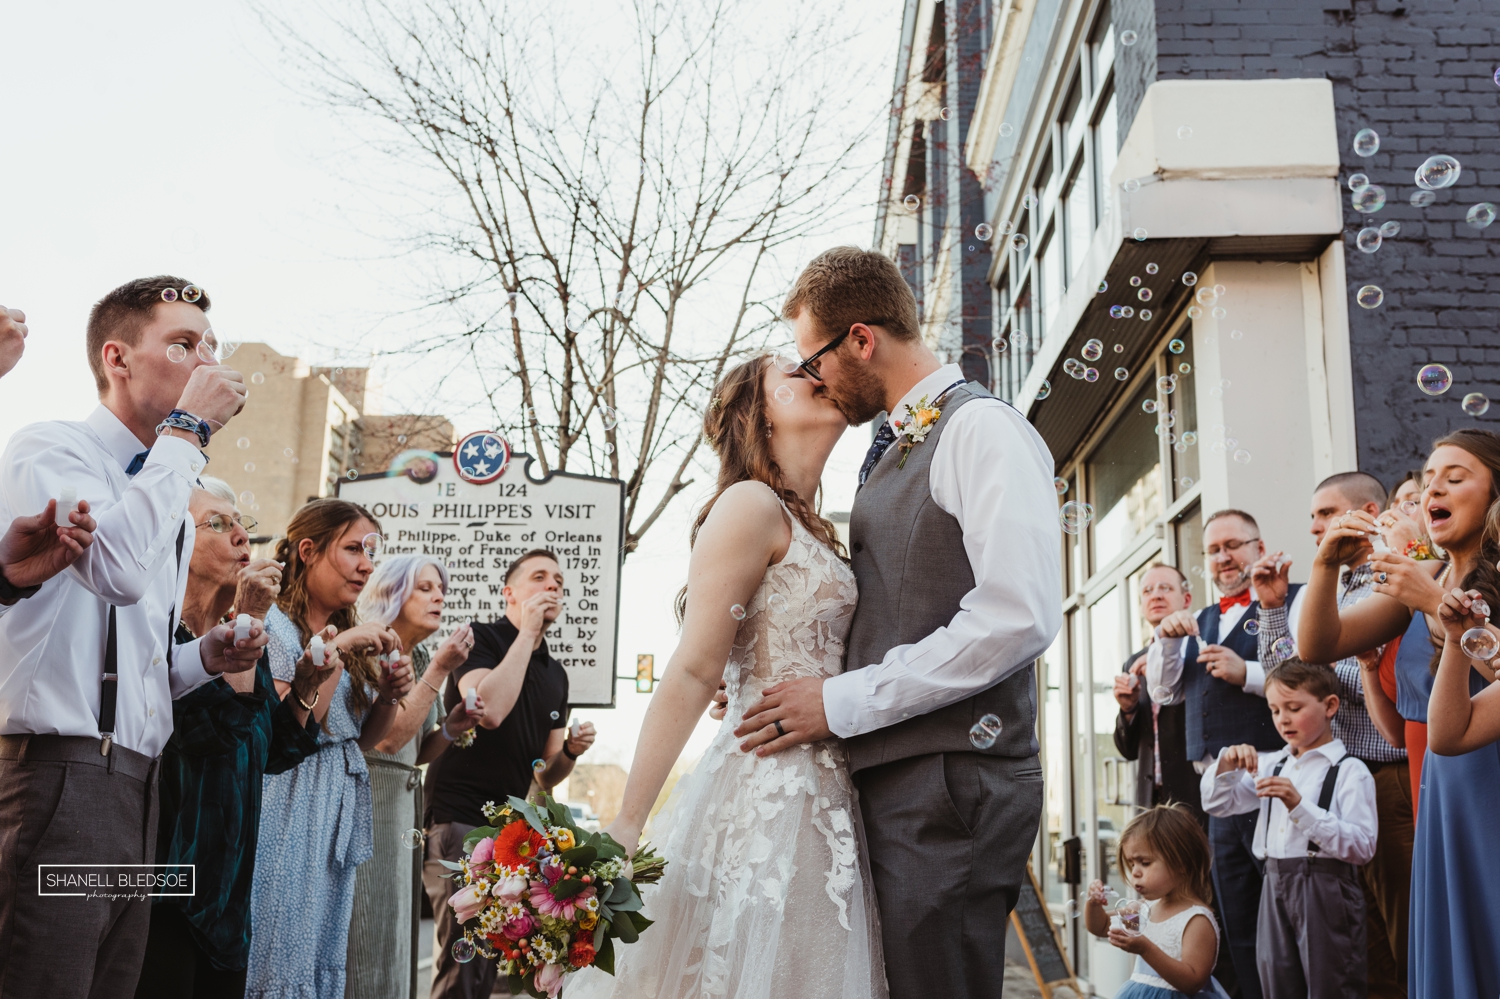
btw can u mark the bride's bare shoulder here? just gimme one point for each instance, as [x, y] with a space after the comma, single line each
[745, 508]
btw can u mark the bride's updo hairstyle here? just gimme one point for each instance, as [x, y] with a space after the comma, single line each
[737, 427]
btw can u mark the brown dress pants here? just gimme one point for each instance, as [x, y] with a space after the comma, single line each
[63, 803]
[1387, 880]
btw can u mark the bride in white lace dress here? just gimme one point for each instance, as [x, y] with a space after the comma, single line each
[766, 893]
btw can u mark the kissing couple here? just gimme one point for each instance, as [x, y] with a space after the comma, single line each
[843, 836]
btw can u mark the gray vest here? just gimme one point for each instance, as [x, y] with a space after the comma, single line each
[912, 568]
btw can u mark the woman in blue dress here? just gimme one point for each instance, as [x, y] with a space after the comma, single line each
[316, 817]
[1455, 918]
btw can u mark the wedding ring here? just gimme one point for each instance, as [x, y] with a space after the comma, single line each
[779, 729]
[1381, 577]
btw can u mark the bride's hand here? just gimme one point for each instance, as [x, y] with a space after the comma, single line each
[627, 835]
[719, 706]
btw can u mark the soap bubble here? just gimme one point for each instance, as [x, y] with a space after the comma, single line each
[249, 466]
[1207, 295]
[1121, 374]
[1497, 77]
[1366, 142]
[1184, 131]
[985, 731]
[912, 202]
[1044, 390]
[1144, 294]
[1434, 379]
[787, 365]
[1135, 281]
[1092, 350]
[191, 294]
[983, 231]
[1116, 312]
[1075, 516]
[1480, 644]
[1390, 230]
[1131, 912]
[287, 452]
[1368, 199]
[1242, 456]
[1149, 405]
[1161, 693]
[1129, 38]
[243, 443]
[1476, 404]
[1152, 268]
[1028, 201]
[1189, 278]
[169, 294]
[1185, 367]
[1131, 186]
[1145, 315]
[1139, 234]
[610, 418]
[1438, 172]
[1103, 287]
[1000, 344]
[537, 766]
[1071, 910]
[1073, 367]
[257, 379]
[1357, 181]
[737, 612]
[373, 544]
[176, 353]
[1006, 227]
[1369, 297]
[1091, 374]
[1127, 311]
[206, 353]
[1284, 647]
[1368, 239]
[784, 395]
[1481, 215]
[352, 474]
[1166, 385]
[1186, 482]
[412, 838]
[1176, 346]
[1478, 606]
[1252, 627]
[945, 114]
[1220, 312]
[464, 950]
[1421, 199]
[1060, 484]
[1006, 129]
[1190, 437]
[1118, 348]
[777, 603]
[247, 498]
[1019, 241]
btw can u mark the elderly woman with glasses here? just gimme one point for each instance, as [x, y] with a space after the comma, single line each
[226, 735]
[406, 593]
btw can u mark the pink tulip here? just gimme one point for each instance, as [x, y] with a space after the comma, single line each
[549, 979]
[511, 888]
[467, 903]
[484, 852]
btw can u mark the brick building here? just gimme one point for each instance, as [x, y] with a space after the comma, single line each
[1058, 172]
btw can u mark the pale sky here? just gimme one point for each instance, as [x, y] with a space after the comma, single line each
[165, 136]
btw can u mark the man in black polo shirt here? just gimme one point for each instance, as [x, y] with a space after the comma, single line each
[525, 695]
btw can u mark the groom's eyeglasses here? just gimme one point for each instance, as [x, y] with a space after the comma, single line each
[811, 365]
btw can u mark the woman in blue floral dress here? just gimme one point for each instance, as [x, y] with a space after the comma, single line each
[315, 818]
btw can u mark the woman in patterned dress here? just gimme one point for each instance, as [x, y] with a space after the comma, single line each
[315, 818]
[765, 893]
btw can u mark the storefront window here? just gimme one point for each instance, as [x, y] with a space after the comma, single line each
[1184, 409]
[1125, 478]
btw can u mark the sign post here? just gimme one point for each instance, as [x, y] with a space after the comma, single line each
[477, 528]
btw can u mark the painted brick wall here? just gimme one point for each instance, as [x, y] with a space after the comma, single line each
[1421, 75]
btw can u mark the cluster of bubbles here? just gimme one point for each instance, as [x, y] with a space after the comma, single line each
[1075, 516]
[1436, 379]
[985, 731]
[1480, 643]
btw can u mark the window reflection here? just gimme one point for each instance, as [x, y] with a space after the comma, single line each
[1125, 473]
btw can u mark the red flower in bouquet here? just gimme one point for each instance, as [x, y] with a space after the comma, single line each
[518, 845]
[581, 954]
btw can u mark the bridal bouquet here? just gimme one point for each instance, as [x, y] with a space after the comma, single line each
[545, 898]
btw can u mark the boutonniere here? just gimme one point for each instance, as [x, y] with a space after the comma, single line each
[914, 428]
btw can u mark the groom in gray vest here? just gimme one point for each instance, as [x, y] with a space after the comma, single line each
[956, 546]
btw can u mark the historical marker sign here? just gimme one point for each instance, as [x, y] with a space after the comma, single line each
[477, 529]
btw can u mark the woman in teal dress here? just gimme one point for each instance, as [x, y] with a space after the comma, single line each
[315, 817]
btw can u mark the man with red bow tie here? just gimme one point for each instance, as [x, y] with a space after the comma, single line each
[1210, 663]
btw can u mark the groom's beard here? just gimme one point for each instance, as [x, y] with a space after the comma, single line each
[859, 394]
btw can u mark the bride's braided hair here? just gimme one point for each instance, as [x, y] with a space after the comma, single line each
[737, 427]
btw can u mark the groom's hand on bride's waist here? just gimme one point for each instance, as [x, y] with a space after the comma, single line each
[797, 705]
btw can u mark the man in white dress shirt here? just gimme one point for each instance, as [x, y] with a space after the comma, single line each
[956, 546]
[88, 669]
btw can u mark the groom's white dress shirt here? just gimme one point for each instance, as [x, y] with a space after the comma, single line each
[992, 472]
[52, 644]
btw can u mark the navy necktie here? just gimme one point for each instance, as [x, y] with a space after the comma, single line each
[884, 438]
[136, 464]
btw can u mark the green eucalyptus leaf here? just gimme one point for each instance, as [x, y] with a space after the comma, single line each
[475, 835]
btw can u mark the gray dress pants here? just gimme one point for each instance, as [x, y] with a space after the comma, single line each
[1311, 936]
[63, 803]
[948, 835]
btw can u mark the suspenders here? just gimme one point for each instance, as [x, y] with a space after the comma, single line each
[1325, 798]
[109, 684]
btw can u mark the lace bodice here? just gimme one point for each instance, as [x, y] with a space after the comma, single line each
[795, 625]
